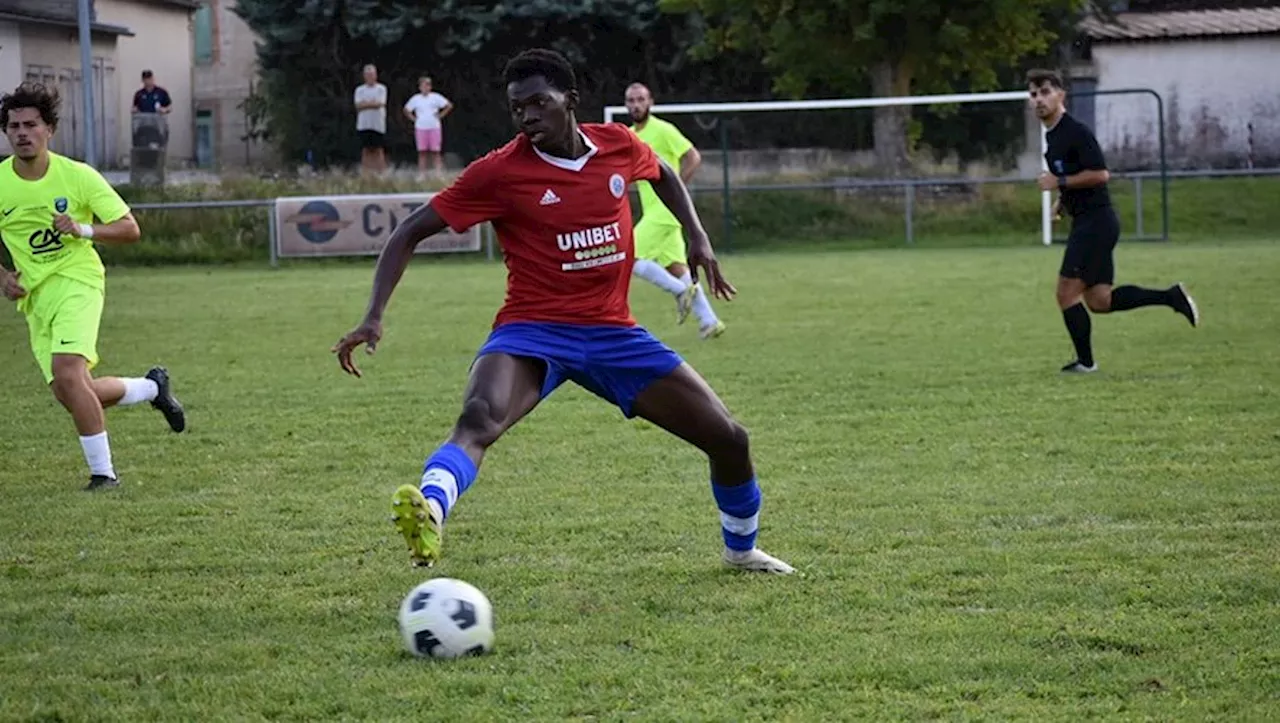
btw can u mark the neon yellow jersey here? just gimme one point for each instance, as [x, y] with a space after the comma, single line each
[26, 224]
[670, 144]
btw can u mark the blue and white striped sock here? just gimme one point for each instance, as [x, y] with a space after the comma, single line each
[446, 475]
[739, 513]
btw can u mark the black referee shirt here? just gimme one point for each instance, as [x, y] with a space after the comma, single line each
[1072, 149]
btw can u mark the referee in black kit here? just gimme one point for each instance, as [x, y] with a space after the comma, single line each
[1078, 172]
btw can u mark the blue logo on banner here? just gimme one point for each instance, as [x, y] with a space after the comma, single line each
[318, 221]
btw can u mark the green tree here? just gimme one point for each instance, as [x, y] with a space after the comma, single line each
[311, 52]
[891, 47]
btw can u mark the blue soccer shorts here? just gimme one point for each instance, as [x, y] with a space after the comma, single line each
[616, 363]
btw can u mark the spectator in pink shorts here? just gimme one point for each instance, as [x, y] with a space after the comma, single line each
[426, 109]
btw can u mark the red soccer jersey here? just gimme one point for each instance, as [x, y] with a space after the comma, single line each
[564, 225]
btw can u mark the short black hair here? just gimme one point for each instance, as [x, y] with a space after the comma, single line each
[1040, 76]
[147, 74]
[540, 61]
[31, 95]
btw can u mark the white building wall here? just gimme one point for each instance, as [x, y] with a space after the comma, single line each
[11, 70]
[161, 42]
[1213, 90]
[51, 55]
[222, 85]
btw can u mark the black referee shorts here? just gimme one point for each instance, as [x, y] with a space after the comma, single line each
[1090, 254]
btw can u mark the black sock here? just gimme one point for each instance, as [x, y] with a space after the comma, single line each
[1079, 327]
[1124, 298]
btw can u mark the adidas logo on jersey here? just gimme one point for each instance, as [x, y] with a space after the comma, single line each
[549, 198]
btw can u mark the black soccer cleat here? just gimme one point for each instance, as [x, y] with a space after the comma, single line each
[1184, 304]
[102, 482]
[168, 404]
[1077, 367]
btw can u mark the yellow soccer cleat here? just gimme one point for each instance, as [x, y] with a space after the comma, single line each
[711, 331]
[684, 303]
[421, 530]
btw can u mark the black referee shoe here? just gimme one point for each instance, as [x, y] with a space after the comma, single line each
[168, 404]
[101, 482]
[1184, 304]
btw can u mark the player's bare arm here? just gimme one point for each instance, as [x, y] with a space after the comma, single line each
[675, 196]
[394, 259]
[689, 164]
[122, 231]
[10, 285]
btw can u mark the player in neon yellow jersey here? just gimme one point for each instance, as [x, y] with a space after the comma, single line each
[660, 255]
[47, 207]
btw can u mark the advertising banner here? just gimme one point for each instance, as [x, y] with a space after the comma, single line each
[355, 225]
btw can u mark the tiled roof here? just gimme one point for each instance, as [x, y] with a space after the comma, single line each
[55, 20]
[1189, 24]
[189, 4]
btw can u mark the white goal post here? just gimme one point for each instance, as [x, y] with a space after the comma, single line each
[1046, 202]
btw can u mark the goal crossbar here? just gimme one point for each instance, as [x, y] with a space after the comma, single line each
[1046, 202]
[832, 104]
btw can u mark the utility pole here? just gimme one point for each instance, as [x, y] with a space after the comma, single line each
[86, 84]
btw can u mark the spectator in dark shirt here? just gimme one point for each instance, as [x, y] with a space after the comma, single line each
[151, 98]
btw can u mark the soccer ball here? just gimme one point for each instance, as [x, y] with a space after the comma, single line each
[446, 618]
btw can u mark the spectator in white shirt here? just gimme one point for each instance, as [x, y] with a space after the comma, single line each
[371, 121]
[426, 109]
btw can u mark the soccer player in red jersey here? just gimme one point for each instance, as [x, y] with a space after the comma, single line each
[557, 197]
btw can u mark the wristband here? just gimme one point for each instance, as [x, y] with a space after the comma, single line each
[86, 231]
[1062, 183]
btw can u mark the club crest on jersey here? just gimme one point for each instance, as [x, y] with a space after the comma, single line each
[60, 204]
[1058, 166]
[617, 186]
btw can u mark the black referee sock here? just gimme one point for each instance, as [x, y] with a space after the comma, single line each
[1080, 327]
[1124, 298]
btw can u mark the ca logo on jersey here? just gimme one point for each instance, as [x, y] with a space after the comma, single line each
[60, 204]
[617, 186]
[46, 241]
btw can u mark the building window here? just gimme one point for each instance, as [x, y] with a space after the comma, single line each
[202, 22]
[204, 139]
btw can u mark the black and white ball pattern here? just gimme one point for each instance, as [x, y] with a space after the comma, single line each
[446, 618]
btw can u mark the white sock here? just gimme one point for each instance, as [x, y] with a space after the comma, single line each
[97, 452]
[437, 512]
[138, 390]
[701, 305]
[652, 272]
[440, 479]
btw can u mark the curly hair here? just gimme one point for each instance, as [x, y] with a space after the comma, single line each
[31, 95]
[540, 61]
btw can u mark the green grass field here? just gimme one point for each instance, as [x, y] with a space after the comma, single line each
[980, 537]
